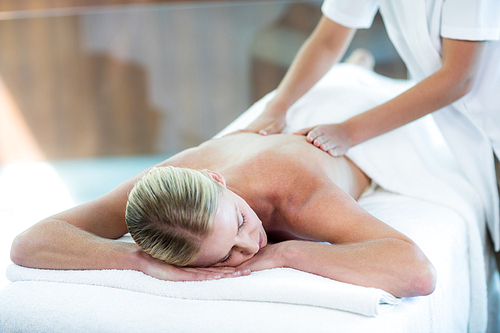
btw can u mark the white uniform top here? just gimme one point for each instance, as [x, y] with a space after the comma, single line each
[471, 125]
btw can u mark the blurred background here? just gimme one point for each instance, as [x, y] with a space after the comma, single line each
[94, 91]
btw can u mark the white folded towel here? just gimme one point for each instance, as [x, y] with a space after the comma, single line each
[283, 285]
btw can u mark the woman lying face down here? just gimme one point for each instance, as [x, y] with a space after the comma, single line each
[217, 204]
[189, 217]
[194, 218]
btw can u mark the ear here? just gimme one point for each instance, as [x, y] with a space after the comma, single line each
[217, 177]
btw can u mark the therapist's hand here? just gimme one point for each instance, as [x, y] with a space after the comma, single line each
[271, 121]
[332, 138]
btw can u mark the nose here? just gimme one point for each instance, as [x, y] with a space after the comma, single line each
[248, 245]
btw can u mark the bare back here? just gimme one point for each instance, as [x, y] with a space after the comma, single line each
[245, 155]
[274, 174]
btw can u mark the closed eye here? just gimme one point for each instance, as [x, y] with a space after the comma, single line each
[226, 259]
[243, 221]
[240, 226]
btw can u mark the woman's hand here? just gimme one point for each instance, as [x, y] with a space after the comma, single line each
[271, 121]
[163, 271]
[268, 257]
[333, 138]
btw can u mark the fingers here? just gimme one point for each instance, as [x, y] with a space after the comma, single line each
[270, 129]
[163, 271]
[321, 140]
[221, 269]
[335, 152]
[210, 273]
[303, 131]
[317, 137]
[191, 276]
[325, 139]
[325, 143]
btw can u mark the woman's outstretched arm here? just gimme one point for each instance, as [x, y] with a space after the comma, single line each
[84, 238]
[364, 251]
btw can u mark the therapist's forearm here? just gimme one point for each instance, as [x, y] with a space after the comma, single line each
[447, 85]
[320, 52]
[429, 95]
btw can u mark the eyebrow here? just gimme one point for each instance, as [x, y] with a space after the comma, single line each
[238, 230]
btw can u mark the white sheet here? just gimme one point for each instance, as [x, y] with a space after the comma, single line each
[70, 307]
[435, 207]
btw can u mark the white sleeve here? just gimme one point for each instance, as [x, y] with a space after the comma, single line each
[471, 19]
[357, 14]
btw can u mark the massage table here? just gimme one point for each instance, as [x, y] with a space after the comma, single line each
[417, 188]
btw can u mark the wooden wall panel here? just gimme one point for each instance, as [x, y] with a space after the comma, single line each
[75, 104]
[154, 79]
[81, 95]
[16, 5]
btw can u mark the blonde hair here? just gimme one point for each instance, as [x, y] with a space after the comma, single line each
[170, 211]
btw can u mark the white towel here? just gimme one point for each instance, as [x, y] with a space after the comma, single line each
[283, 285]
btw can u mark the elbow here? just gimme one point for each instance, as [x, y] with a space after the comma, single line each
[423, 281]
[25, 248]
[457, 84]
[19, 252]
[463, 88]
[416, 275]
[421, 275]
[31, 247]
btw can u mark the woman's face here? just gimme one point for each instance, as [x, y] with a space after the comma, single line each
[237, 234]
